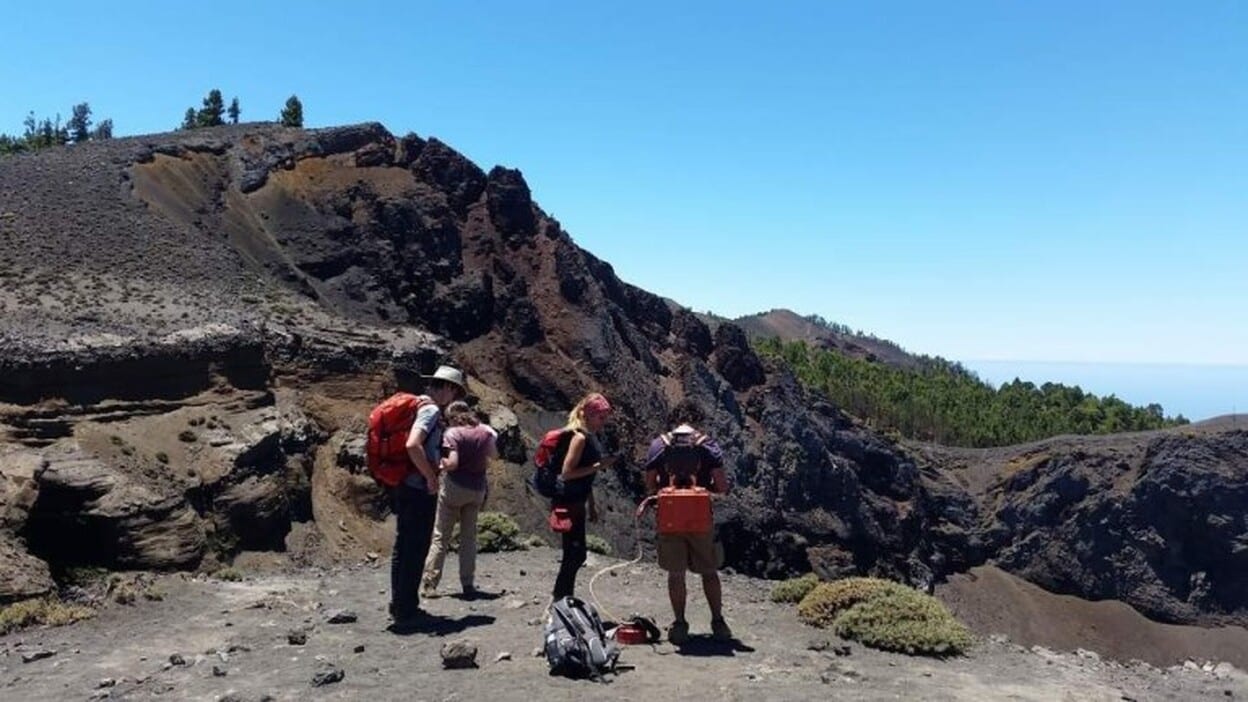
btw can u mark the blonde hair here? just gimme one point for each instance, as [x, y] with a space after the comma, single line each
[459, 414]
[576, 418]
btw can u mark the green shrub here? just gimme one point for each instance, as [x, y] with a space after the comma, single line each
[497, 532]
[45, 612]
[886, 615]
[825, 602]
[794, 589]
[906, 621]
[534, 541]
[597, 544]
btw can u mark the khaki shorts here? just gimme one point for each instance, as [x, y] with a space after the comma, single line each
[700, 553]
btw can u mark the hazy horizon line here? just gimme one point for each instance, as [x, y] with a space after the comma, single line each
[1184, 364]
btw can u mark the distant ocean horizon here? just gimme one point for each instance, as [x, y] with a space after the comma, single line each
[1195, 391]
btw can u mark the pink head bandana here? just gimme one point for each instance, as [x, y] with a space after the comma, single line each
[597, 404]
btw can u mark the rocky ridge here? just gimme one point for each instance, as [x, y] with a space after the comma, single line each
[194, 325]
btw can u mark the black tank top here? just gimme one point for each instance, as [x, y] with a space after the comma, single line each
[578, 489]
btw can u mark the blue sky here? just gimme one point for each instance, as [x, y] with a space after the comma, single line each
[1058, 181]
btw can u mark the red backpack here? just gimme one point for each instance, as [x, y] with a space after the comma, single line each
[388, 426]
[548, 459]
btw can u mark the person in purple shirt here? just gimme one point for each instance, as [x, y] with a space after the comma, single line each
[467, 447]
[686, 456]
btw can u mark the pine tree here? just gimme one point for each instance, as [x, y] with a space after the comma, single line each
[292, 114]
[11, 144]
[214, 108]
[51, 133]
[103, 130]
[234, 112]
[79, 124]
[189, 121]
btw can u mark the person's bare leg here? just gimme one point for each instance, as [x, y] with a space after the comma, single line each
[678, 632]
[714, 594]
[677, 593]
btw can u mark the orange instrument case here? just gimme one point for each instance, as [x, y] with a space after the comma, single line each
[684, 510]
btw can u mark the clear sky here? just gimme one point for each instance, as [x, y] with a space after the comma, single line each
[998, 180]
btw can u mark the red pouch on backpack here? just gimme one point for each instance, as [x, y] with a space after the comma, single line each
[560, 520]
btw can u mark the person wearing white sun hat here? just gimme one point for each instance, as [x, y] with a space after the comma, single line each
[416, 498]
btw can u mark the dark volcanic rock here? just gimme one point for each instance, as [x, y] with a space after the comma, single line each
[341, 616]
[327, 674]
[460, 179]
[1168, 536]
[692, 334]
[735, 360]
[808, 485]
[511, 205]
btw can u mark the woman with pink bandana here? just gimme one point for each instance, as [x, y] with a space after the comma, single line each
[583, 459]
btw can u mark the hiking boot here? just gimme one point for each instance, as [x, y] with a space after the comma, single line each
[406, 620]
[429, 593]
[678, 632]
[408, 624]
[720, 630]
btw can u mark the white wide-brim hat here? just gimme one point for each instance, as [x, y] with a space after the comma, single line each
[449, 375]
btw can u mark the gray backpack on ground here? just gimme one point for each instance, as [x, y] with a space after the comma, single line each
[576, 643]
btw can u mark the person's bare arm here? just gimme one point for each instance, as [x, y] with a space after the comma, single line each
[719, 481]
[576, 448]
[416, 451]
[451, 461]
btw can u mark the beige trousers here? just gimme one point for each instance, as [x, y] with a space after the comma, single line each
[455, 504]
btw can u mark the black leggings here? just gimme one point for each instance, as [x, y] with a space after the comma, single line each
[574, 551]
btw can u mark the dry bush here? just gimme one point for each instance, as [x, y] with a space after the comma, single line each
[886, 615]
[794, 590]
[906, 621]
[824, 603]
[229, 574]
[41, 612]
